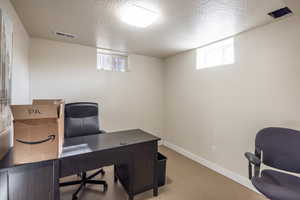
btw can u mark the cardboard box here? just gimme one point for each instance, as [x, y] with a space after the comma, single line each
[38, 133]
[60, 103]
[48, 101]
[4, 143]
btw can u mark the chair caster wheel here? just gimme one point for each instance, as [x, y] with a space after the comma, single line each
[105, 187]
[74, 198]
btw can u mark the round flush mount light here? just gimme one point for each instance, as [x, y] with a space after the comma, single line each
[138, 16]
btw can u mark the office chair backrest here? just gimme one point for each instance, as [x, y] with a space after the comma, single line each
[280, 148]
[81, 119]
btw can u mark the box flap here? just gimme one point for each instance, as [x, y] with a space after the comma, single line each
[47, 101]
[58, 102]
[23, 112]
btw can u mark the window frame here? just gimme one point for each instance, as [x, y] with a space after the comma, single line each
[219, 47]
[114, 56]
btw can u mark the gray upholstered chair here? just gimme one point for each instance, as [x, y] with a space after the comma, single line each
[277, 148]
[82, 119]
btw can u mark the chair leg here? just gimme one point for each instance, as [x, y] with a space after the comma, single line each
[102, 171]
[70, 183]
[95, 182]
[86, 180]
[74, 197]
[93, 175]
[100, 182]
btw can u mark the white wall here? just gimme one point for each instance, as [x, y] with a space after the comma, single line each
[20, 71]
[215, 113]
[127, 100]
[20, 68]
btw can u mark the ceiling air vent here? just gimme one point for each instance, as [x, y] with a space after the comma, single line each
[65, 35]
[280, 12]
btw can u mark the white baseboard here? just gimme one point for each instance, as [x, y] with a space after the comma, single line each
[213, 166]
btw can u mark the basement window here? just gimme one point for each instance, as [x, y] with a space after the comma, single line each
[112, 61]
[217, 54]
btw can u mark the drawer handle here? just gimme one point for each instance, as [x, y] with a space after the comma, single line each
[50, 137]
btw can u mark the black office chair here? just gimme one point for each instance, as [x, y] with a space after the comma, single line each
[278, 148]
[82, 119]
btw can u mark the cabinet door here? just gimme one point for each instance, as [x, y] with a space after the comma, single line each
[3, 185]
[139, 171]
[144, 162]
[34, 182]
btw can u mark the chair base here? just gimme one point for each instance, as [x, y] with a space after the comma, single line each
[86, 180]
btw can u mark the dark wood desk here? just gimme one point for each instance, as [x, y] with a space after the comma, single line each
[133, 152]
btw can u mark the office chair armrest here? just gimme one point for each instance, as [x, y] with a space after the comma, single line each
[253, 159]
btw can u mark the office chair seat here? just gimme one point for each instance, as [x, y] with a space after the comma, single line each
[277, 185]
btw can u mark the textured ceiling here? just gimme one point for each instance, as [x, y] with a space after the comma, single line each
[183, 24]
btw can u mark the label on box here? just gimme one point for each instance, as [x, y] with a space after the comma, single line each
[23, 112]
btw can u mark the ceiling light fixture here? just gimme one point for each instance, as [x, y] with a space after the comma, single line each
[138, 16]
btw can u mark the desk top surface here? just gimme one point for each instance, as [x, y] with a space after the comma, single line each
[99, 142]
[91, 143]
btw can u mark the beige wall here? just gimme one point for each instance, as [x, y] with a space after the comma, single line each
[216, 112]
[127, 100]
[20, 72]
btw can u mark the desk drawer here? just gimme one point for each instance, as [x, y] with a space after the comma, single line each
[38, 181]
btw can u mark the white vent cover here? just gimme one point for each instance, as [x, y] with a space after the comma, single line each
[64, 35]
